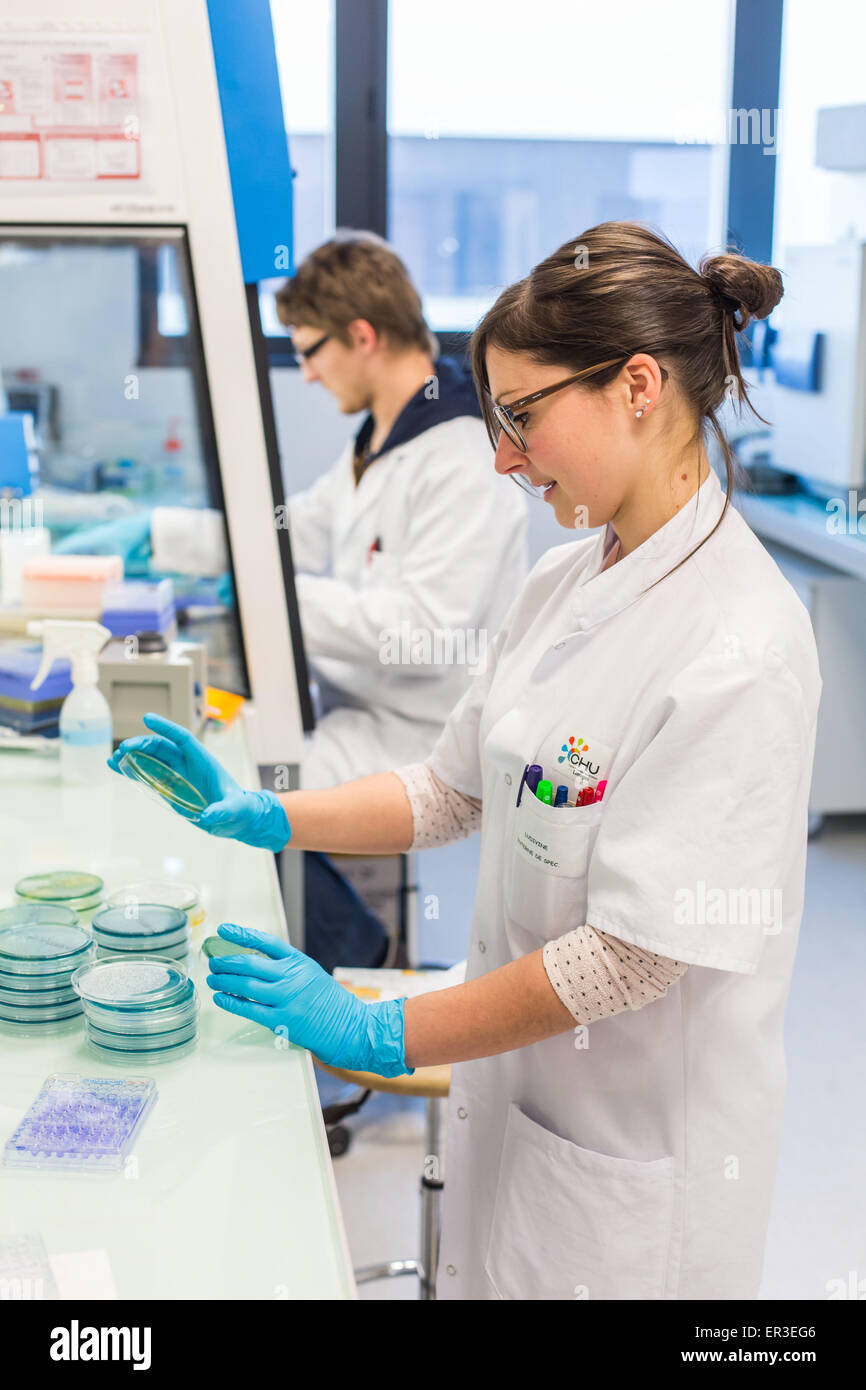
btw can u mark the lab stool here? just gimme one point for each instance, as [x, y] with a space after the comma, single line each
[433, 1084]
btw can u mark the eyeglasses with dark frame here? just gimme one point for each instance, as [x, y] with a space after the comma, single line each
[303, 355]
[505, 414]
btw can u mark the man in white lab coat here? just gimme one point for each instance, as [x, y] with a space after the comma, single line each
[408, 552]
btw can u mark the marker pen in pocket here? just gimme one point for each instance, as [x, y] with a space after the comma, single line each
[544, 792]
[534, 775]
[599, 791]
[522, 784]
[561, 796]
[585, 796]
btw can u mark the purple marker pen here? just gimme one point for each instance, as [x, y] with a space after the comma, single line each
[534, 775]
[522, 783]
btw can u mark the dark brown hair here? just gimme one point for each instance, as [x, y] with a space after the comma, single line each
[356, 275]
[620, 289]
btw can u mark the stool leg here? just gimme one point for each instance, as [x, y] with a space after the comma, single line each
[431, 1193]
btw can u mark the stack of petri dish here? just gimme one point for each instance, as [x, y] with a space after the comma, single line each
[70, 888]
[140, 1010]
[40, 948]
[168, 891]
[148, 928]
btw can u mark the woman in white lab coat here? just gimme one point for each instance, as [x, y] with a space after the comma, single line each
[616, 1103]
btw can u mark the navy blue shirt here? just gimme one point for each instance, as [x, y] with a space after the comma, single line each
[455, 396]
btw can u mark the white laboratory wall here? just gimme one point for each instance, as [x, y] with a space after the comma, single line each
[822, 65]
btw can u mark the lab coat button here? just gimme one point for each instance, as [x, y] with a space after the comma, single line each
[557, 646]
[508, 779]
[462, 1112]
[450, 1269]
[482, 947]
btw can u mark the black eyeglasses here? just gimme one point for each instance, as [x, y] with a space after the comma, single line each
[505, 414]
[303, 355]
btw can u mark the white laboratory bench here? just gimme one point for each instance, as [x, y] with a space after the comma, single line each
[802, 523]
[231, 1194]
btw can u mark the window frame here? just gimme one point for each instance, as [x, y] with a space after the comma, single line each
[361, 134]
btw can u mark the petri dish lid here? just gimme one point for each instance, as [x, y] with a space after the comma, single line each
[162, 779]
[142, 1042]
[142, 1058]
[62, 1026]
[45, 1013]
[166, 952]
[113, 1033]
[159, 1020]
[62, 886]
[144, 945]
[32, 998]
[169, 892]
[150, 919]
[218, 946]
[140, 982]
[38, 913]
[26, 983]
[40, 947]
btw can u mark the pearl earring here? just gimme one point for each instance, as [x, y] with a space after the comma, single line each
[639, 413]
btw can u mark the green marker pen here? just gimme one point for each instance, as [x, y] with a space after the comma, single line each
[544, 792]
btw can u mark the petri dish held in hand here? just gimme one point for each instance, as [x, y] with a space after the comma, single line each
[158, 777]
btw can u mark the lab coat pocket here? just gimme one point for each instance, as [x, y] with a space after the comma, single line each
[546, 865]
[571, 1223]
[380, 569]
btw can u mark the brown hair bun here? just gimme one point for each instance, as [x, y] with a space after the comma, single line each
[747, 288]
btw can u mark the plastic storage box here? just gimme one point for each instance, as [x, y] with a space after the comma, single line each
[69, 585]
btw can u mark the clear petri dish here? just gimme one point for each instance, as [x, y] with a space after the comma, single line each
[155, 1020]
[41, 1030]
[168, 891]
[142, 944]
[112, 1036]
[158, 777]
[68, 887]
[41, 941]
[152, 1056]
[217, 946]
[140, 982]
[31, 913]
[142, 1042]
[32, 998]
[139, 919]
[174, 953]
[25, 983]
[52, 1013]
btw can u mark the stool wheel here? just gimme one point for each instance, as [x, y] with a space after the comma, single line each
[339, 1139]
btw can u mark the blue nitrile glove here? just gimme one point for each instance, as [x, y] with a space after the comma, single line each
[255, 818]
[286, 990]
[128, 536]
[225, 591]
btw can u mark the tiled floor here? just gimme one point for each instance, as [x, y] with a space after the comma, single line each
[818, 1224]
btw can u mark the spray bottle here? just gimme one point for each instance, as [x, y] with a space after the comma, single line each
[85, 716]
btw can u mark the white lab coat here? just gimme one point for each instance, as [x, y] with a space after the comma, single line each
[400, 632]
[635, 1159]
